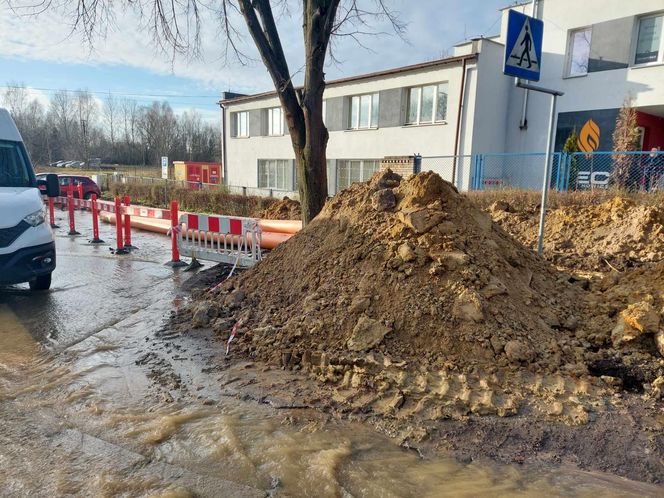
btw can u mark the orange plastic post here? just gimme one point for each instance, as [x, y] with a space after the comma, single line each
[127, 224]
[70, 206]
[95, 220]
[80, 195]
[175, 226]
[119, 246]
[51, 214]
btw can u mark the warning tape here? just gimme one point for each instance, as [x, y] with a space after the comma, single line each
[232, 336]
[109, 207]
[157, 213]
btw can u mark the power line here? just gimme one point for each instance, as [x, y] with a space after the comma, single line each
[98, 92]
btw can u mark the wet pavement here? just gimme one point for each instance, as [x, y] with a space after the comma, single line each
[95, 400]
[92, 288]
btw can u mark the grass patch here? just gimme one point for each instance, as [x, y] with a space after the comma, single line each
[213, 200]
[524, 201]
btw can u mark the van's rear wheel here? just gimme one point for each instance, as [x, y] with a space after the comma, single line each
[41, 283]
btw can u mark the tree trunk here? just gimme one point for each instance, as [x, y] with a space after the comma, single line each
[303, 109]
[318, 17]
[311, 166]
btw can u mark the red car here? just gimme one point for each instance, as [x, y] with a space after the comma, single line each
[89, 186]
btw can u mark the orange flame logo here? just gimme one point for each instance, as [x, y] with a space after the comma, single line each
[589, 137]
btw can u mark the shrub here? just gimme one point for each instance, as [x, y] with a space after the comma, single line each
[216, 200]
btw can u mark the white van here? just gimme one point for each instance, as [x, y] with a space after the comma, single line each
[27, 246]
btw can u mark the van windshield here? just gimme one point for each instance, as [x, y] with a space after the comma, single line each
[15, 170]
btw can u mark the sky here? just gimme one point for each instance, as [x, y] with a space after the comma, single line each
[45, 53]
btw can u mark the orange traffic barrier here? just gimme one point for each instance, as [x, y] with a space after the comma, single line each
[95, 220]
[119, 245]
[269, 240]
[127, 224]
[174, 227]
[51, 214]
[70, 206]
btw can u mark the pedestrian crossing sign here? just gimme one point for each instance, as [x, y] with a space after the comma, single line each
[523, 48]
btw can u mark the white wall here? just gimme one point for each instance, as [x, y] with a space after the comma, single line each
[599, 90]
[429, 140]
[492, 108]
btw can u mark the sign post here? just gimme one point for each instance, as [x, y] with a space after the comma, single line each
[164, 167]
[523, 57]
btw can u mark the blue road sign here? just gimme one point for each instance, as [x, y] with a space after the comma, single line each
[523, 50]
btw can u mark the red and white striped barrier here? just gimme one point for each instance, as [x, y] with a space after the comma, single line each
[156, 213]
[222, 239]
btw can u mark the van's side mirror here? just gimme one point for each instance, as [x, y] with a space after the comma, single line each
[52, 185]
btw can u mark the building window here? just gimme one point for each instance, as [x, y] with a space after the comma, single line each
[355, 170]
[649, 40]
[427, 104]
[241, 124]
[579, 52]
[364, 111]
[275, 122]
[275, 174]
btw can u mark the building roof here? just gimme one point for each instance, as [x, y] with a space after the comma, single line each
[350, 79]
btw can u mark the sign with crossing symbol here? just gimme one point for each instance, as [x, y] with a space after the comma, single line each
[523, 48]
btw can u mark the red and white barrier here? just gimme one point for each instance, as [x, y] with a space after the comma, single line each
[222, 239]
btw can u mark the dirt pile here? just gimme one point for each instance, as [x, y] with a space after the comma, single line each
[285, 209]
[627, 323]
[406, 299]
[617, 233]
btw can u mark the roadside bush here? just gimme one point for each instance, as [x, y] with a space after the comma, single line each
[217, 200]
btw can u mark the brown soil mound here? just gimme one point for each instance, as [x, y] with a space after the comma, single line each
[285, 209]
[617, 233]
[410, 307]
[407, 298]
[627, 319]
[430, 277]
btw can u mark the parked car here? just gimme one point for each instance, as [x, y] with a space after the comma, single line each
[27, 246]
[89, 186]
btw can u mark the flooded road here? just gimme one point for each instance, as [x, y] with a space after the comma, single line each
[94, 401]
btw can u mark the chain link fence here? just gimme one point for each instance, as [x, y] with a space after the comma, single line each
[629, 171]
[447, 167]
[626, 171]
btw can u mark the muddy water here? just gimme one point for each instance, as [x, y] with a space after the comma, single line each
[98, 407]
[85, 423]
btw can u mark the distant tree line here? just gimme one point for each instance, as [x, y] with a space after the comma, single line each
[78, 126]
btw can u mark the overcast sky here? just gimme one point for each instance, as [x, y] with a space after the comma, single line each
[42, 53]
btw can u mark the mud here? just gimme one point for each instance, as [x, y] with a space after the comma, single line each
[136, 410]
[127, 404]
[285, 209]
[403, 305]
[617, 234]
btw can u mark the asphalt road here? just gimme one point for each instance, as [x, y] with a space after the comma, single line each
[92, 288]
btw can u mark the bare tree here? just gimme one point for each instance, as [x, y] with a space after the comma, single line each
[176, 26]
[87, 111]
[15, 99]
[62, 114]
[158, 127]
[110, 112]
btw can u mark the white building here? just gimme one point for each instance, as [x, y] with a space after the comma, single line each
[598, 52]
